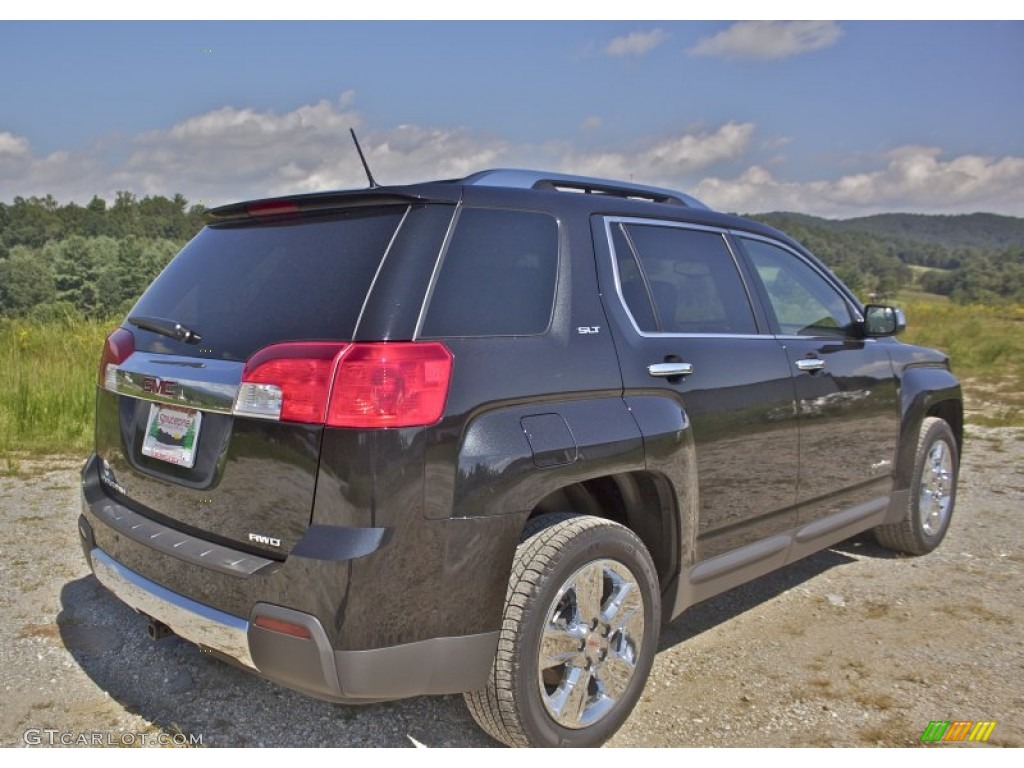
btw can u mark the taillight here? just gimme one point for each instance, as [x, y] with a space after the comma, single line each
[289, 382]
[396, 384]
[118, 347]
[379, 385]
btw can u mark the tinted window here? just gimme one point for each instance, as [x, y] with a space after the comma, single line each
[692, 280]
[631, 279]
[242, 287]
[804, 302]
[498, 276]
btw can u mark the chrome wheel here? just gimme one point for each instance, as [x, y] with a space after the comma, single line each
[936, 488]
[592, 638]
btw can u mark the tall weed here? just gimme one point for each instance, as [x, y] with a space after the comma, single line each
[47, 383]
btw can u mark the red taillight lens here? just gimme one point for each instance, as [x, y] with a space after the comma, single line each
[387, 384]
[290, 382]
[390, 384]
[118, 347]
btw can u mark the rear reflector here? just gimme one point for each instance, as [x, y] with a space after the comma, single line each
[118, 347]
[284, 627]
[379, 385]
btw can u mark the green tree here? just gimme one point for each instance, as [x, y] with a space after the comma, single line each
[26, 281]
[78, 264]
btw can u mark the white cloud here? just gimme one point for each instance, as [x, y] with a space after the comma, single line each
[13, 147]
[636, 44]
[664, 161]
[914, 179]
[235, 153]
[591, 123]
[768, 39]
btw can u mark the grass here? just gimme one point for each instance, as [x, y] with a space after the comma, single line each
[47, 386]
[986, 348]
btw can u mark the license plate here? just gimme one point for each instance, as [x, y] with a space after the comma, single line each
[172, 434]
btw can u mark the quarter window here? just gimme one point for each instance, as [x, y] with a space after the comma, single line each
[498, 276]
[678, 280]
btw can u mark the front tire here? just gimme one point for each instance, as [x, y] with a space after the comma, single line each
[929, 508]
[580, 629]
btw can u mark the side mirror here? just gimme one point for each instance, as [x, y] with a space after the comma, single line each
[881, 320]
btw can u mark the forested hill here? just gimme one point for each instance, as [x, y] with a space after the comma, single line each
[93, 260]
[978, 230]
[976, 257]
[96, 259]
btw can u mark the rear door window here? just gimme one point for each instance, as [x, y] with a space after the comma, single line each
[681, 281]
[498, 276]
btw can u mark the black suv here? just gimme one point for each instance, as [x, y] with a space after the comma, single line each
[484, 435]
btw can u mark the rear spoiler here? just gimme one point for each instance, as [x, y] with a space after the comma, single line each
[311, 203]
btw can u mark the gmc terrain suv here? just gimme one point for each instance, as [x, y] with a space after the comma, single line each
[485, 435]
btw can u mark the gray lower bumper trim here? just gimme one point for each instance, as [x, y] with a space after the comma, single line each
[189, 619]
[441, 665]
[176, 543]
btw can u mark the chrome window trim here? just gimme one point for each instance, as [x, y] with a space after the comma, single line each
[793, 337]
[610, 220]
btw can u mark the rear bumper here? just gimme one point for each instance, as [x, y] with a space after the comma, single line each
[436, 666]
[165, 574]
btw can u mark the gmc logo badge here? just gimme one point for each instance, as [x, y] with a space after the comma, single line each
[160, 387]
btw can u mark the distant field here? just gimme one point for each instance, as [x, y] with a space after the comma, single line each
[985, 345]
[918, 269]
[48, 371]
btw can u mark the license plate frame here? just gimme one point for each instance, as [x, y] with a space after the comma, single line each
[172, 434]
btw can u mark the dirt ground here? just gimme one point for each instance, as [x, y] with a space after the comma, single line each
[851, 647]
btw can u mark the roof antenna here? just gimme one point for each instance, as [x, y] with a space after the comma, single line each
[366, 167]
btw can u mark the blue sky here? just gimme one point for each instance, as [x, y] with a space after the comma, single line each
[831, 118]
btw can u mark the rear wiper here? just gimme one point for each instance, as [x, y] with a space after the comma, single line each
[166, 328]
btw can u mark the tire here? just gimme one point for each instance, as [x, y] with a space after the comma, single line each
[600, 641]
[929, 507]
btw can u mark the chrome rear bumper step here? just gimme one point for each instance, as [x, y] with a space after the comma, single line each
[189, 619]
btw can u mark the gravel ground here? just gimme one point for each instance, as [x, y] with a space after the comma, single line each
[851, 647]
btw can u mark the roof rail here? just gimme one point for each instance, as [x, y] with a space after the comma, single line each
[518, 178]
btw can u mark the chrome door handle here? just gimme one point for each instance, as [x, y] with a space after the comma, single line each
[668, 370]
[810, 364]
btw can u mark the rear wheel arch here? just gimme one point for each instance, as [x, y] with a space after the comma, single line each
[643, 502]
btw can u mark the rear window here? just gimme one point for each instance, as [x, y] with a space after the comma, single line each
[498, 276]
[244, 286]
